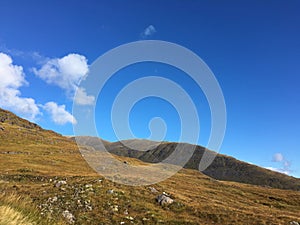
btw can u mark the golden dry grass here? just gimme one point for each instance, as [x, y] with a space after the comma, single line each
[198, 200]
[31, 160]
[9, 216]
[39, 152]
[12, 210]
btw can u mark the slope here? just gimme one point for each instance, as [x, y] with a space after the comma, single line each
[26, 147]
[222, 168]
[44, 180]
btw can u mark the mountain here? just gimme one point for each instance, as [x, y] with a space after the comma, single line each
[45, 180]
[222, 168]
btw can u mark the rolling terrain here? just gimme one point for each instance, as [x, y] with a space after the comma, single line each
[45, 180]
[223, 167]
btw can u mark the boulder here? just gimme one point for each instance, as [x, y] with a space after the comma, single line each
[164, 199]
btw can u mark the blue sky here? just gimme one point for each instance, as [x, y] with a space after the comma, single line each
[252, 47]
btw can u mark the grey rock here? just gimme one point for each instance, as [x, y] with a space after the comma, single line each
[153, 190]
[110, 191]
[164, 199]
[52, 200]
[60, 183]
[294, 223]
[68, 216]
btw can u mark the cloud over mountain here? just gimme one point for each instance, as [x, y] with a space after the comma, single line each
[284, 164]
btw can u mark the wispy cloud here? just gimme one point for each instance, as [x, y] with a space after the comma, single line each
[148, 31]
[278, 157]
[34, 56]
[12, 78]
[284, 165]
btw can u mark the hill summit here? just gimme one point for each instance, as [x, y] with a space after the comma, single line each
[10, 118]
[222, 168]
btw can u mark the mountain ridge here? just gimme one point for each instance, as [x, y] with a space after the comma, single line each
[222, 168]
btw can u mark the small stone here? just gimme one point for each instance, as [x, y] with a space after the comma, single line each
[60, 183]
[129, 217]
[110, 191]
[115, 208]
[88, 207]
[54, 199]
[153, 190]
[68, 216]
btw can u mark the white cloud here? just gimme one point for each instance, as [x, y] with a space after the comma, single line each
[278, 157]
[12, 78]
[64, 72]
[58, 113]
[81, 97]
[284, 171]
[149, 31]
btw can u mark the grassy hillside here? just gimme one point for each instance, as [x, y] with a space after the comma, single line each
[26, 147]
[44, 180]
